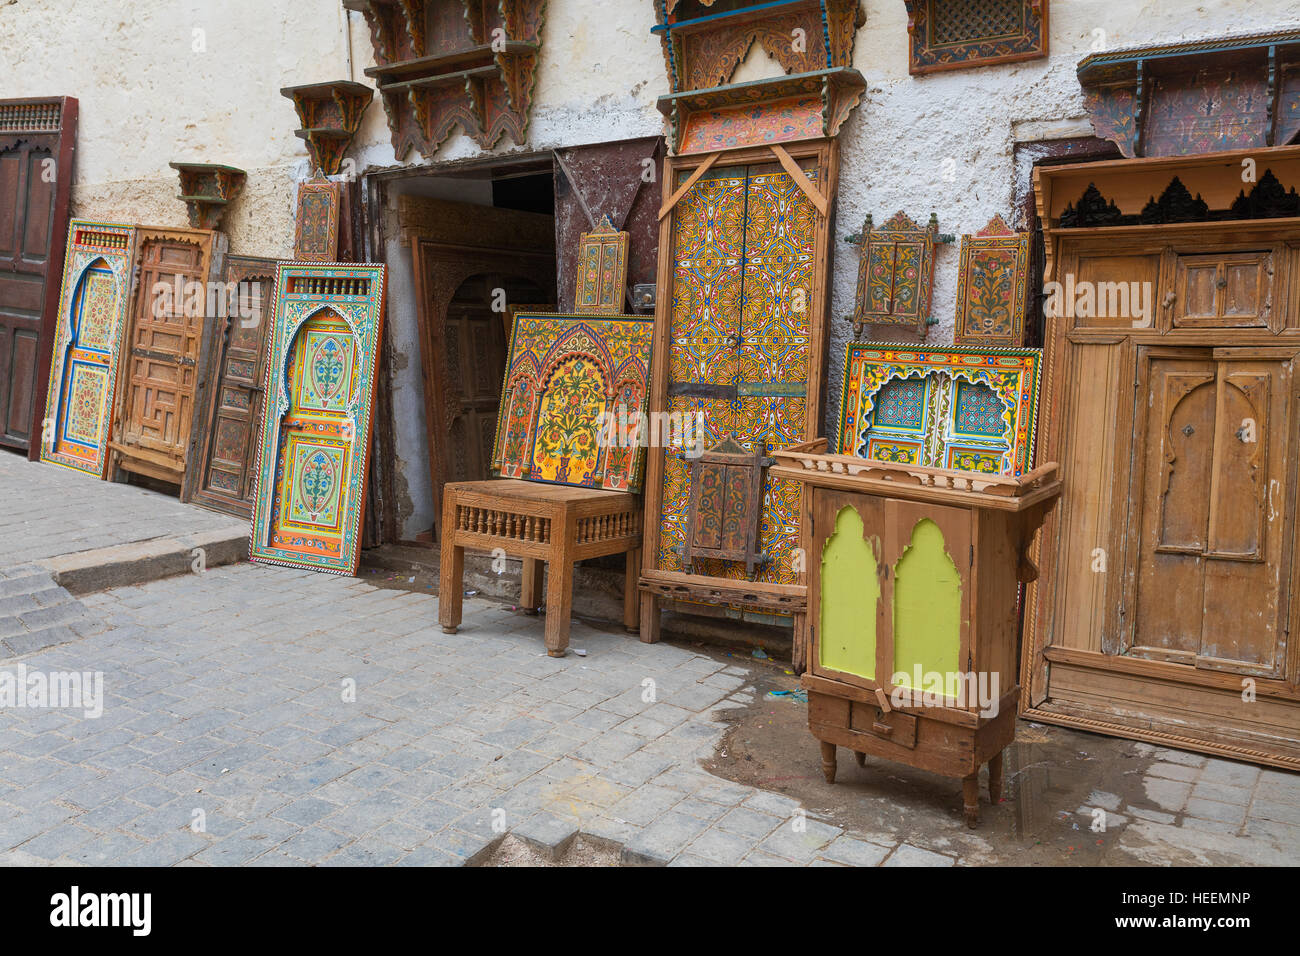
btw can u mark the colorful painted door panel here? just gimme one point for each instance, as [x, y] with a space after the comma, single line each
[92, 314]
[311, 474]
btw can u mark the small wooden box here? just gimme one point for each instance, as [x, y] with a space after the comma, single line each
[911, 633]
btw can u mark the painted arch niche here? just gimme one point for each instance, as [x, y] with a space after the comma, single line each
[922, 628]
[317, 438]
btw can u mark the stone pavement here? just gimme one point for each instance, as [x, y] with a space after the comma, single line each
[94, 534]
[259, 715]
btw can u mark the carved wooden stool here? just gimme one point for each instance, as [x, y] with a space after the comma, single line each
[555, 524]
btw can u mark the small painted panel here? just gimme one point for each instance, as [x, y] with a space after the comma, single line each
[323, 350]
[93, 305]
[316, 227]
[602, 270]
[941, 408]
[895, 274]
[992, 287]
[574, 396]
[850, 598]
[957, 34]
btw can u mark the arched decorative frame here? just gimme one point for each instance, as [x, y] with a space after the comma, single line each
[1012, 374]
[620, 346]
[355, 294]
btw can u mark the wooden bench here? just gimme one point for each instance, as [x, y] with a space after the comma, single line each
[554, 524]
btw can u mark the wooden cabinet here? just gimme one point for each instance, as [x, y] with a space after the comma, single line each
[1165, 608]
[912, 628]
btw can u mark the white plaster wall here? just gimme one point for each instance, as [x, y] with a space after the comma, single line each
[151, 92]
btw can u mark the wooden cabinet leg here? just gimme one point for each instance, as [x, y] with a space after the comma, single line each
[649, 619]
[631, 594]
[828, 761]
[559, 606]
[531, 591]
[995, 778]
[451, 584]
[970, 790]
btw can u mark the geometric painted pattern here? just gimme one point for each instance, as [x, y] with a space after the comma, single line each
[322, 352]
[992, 287]
[602, 269]
[568, 379]
[963, 409]
[740, 349]
[93, 302]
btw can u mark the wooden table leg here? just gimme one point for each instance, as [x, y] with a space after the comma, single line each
[649, 619]
[995, 778]
[451, 584]
[970, 791]
[531, 590]
[828, 761]
[631, 593]
[559, 606]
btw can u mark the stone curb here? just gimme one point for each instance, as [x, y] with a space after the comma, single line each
[139, 562]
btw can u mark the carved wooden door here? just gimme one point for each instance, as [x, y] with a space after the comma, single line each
[1214, 487]
[223, 476]
[159, 371]
[36, 137]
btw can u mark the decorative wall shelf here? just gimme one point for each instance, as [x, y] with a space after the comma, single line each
[783, 110]
[447, 63]
[330, 114]
[1239, 92]
[959, 34]
[206, 189]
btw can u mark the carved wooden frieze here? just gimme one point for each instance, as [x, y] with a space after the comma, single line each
[443, 64]
[702, 48]
[958, 34]
[330, 114]
[1267, 199]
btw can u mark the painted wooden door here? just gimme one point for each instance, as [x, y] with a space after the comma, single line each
[160, 364]
[35, 137]
[739, 344]
[228, 447]
[1214, 489]
[848, 583]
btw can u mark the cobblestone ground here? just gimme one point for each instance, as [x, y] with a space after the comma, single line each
[257, 715]
[50, 510]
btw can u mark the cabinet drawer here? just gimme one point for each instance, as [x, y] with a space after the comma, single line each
[1223, 290]
[895, 726]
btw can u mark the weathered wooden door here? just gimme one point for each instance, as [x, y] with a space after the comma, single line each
[222, 477]
[36, 142]
[475, 353]
[159, 371]
[1211, 502]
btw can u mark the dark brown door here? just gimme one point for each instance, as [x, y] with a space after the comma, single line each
[476, 346]
[35, 147]
[228, 447]
[159, 373]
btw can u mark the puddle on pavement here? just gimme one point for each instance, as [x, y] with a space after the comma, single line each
[1054, 780]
